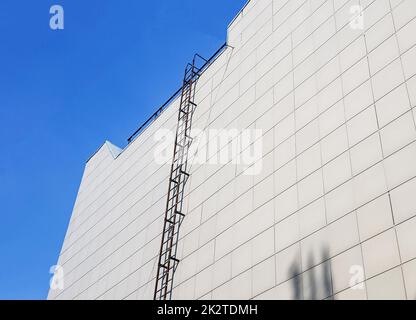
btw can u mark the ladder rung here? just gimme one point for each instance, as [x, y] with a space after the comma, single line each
[183, 111]
[163, 266]
[186, 137]
[180, 213]
[181, 145]
[170, 221]
[185, 173]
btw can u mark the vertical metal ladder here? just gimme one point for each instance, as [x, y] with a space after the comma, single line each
[168, 261]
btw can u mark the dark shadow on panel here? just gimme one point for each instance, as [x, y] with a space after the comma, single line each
[317, 281]
[297, 283]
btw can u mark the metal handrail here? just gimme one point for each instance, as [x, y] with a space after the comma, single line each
[155, 115]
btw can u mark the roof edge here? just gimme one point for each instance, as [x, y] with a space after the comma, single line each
[112, 149]
[237, 15]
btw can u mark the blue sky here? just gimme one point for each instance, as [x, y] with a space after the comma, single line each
[63, 93]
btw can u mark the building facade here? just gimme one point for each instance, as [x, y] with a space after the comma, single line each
[320, 204]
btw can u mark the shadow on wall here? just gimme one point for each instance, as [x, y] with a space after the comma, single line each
[316, 282]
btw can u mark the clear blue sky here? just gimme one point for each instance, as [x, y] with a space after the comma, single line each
[63, 93]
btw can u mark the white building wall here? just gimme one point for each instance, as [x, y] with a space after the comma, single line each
[114, 235]
[334, 199]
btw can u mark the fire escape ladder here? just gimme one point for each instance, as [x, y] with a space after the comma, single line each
[174, 215]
